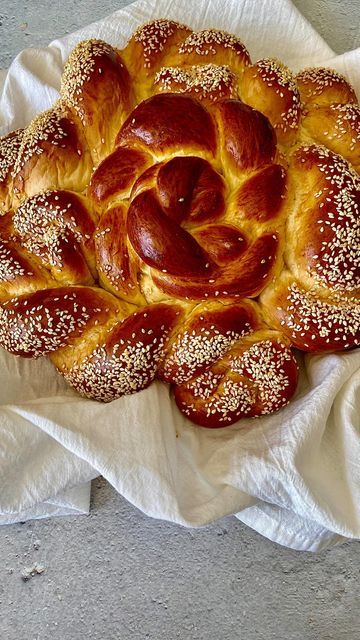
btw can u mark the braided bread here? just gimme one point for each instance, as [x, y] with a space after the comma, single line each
[183, 214]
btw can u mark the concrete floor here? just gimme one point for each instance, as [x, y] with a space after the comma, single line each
[116, 574]
[119, 575]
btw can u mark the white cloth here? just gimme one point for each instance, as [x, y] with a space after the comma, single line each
[293, 476]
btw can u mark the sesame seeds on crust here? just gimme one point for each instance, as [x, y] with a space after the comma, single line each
[279, 78]
[205, 81]
[128, 368]
[253, 380]
[337, 126]
[228, 400]
[43, 331]
[336, 168]
[79, 69]
[337, 264]
[153, 36]
[346, 118]
[45, 128]
[48, 220]
[222, 373]
[38, 323]
[321, 77]
[337, 217]
[318, 80]
[43, 228]
[311, 322]
[263, 363]
[275, 71]
[205, 43]
[11, 267]
[193, 350]
[127, 360]
[9, 149]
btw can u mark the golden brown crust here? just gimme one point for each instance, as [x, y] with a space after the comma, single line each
[157, 180]
[206, 64]
[163, 123]
[270, 87]
[254, 378]
[53, 154]
[244, 277]
[146, 50]
[58, 227]
[118, 268]
[247, 140]
[41, 322]
[213, 46]
[95, 80]
[207, 333]
[322, 86]
[125, 359]
[115, 176]
[337, 127]
[260, 198]
[324, 224]
[19, 272]
[9, 149]
[182, 204]
[312, 321]
[207, 82]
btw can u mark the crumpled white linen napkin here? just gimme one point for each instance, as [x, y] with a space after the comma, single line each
[293, 476]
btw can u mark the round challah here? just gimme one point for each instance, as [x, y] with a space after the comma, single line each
[184, 214]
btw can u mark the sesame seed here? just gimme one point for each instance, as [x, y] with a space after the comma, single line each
[78, 72]
[210, 41]
[153, 36]
[206, 81]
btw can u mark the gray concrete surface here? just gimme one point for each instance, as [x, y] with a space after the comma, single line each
[337, 21]
[118, 575]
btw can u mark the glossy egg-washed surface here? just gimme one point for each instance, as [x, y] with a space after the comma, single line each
[183, 214]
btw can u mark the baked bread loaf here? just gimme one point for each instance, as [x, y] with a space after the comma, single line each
[183, 214]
